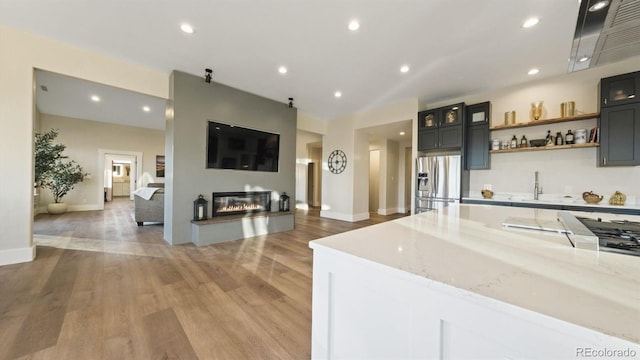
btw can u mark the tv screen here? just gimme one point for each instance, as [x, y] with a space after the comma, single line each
[238, 148]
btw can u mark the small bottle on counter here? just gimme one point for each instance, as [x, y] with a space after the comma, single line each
[559, 139]
[523, 142]
[514, 142]
[568, 138]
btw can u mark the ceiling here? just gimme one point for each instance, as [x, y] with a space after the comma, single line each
[71, 97]
[452, 47]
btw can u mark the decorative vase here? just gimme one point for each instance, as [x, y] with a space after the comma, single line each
[57, 208]
[536, 110]
[617, 198]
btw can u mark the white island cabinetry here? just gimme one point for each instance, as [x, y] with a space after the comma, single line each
[455, 285]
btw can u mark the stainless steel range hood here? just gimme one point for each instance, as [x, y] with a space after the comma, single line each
[609, 35]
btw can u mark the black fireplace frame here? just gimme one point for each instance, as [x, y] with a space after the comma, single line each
[216, 203]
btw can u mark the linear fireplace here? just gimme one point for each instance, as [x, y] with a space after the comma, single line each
[240, 202]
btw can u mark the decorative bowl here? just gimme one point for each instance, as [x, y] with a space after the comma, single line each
[617, 198]
[487, 194]
[537, 142]
[591, 198]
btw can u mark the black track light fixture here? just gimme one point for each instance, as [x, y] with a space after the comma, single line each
[208, 74]
[290, 102]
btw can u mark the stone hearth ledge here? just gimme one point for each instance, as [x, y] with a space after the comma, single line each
[234, 227]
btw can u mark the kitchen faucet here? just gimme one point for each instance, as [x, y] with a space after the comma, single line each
[537, 190]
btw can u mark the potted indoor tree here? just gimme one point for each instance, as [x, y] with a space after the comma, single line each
[47, 153]
[53, 171]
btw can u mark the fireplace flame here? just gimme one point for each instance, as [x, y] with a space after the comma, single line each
[243, 207]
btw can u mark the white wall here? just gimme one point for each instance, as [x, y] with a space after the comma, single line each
[340, 200]
[374, 179]
[384, 173]
[337, 189]
[85, 138]
[310, 124]
[345, 195]
[21, 54]
[360, 182]
[392, 180]
[405, 176]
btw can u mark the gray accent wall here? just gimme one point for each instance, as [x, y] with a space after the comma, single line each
[192, 103]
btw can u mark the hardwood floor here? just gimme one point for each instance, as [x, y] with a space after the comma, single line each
[103, 288]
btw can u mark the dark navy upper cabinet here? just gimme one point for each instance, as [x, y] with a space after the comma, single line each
[620, 89]
[441, 128]
[451, 115]
[477, 136]
[620, 135]
[620, 120]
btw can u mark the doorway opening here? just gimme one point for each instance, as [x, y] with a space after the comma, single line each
[122, 172]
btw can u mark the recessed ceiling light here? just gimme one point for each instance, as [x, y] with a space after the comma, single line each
[599, 5]
[533, 71]
[337, 94]
[95, 98]
[404, 68]
[186, 28]
[282, 70]
[354, 25]
[583, 59]
[530, 22]
[401, 132]
[146, 109]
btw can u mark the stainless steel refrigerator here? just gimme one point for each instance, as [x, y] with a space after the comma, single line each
[438, 181]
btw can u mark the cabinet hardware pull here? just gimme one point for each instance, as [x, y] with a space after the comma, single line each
[605, 101]
[604, 161]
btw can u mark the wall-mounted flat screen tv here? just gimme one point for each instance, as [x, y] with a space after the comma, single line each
[238, 148]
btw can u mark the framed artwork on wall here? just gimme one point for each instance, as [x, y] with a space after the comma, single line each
[159, 165]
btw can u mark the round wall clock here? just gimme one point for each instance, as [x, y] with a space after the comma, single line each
[337, 161]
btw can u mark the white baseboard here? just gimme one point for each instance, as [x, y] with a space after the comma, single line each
[388, 211]
[15, 256]
[302, 206]
[87, 207]
[344, 217]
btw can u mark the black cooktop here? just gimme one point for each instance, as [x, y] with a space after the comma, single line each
[619, 236]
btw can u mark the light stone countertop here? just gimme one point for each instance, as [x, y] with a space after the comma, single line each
[466, 246]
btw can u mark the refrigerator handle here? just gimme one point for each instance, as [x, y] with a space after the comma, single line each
[434, 179]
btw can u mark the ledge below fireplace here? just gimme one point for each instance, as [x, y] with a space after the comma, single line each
[235, 227]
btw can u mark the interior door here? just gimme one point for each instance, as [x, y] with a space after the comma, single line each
[108, 193]
[310, 183]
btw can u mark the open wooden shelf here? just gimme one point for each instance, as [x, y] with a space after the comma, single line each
[543, 148]
[545, 122]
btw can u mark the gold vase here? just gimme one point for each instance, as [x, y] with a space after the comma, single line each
[536, 110]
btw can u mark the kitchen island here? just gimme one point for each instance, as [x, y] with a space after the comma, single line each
[455, 283]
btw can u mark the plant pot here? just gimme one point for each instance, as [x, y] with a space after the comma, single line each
[57, 208]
